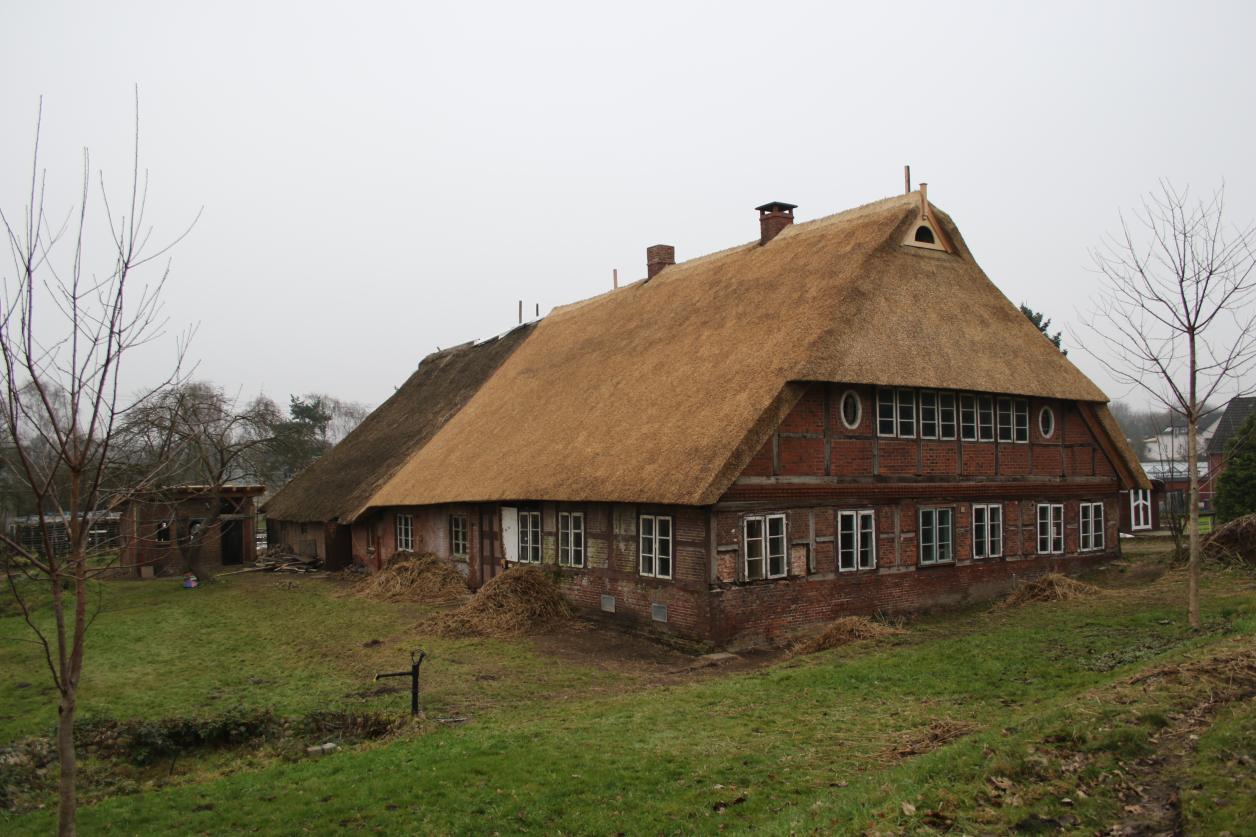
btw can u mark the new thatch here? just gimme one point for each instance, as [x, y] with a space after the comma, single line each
[521, 600]
[1052, 587]
[338, 484]
[422, 579]
[661, 391]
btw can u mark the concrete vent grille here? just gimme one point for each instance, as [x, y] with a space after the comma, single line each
[608, 604]
[658, 612]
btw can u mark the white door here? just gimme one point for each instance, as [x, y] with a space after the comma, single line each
[510, 533]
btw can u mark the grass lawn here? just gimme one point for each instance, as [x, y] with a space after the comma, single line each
[1070, 715]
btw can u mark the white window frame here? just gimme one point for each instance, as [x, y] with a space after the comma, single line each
[934, 549]
[886, 413]
[928, 426]
[1091, 527]
[946, 415]
[458, 535]
[968, 417]
[652, 554]
[987, 530]
[905, 399]
[571, 539]
[530, 537]
[1050, 529]
[773, 546]
[841, 409]
[1140, 500]
[1046, 411]
[862, 527]
[1020, 421]
[985, 418]
[405, 532]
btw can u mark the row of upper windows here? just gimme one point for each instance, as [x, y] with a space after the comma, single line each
[930, 414]
[764, 550]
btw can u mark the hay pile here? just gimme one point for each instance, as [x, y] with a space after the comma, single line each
[1233, 542]
[424, 579]
[938, 734]
[844, 630]
[1052, 587]
[521, 600]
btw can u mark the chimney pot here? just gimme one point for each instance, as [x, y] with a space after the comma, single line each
[657, 257]
[774, 217]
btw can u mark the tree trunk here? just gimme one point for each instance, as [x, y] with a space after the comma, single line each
[67, 802]
[1192, 594]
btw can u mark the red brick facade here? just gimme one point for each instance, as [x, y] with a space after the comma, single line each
[811, 469]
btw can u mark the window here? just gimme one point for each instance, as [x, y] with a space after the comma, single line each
[458, 534]
[571, 539]
[1050, 528]
[946, 415]
[885, 412]
[1091, 527]
[987, 531]
[1140, 509]
[656, 546]
[936, 536]
[765, 548]
[924, 235]
[1021, 420]
[968, 418]
[928, 415]
[163, 532]
[1005, 419]
[852, 409]
[985, 418]
[906, 414]
[1046, 422]
[530, 537]
[857, 542]
[405, 533]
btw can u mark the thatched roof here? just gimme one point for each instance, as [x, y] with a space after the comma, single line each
[662, 390]
[336, 486]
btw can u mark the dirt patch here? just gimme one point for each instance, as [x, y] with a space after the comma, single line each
[522, 600]
[844, 630]
[422, 579]
[1052, 587]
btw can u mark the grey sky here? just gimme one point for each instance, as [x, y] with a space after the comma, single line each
[381, 179]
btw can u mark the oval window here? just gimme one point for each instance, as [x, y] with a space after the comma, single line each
[1046, 422]
[852, 409]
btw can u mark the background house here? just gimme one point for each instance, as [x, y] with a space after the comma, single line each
[157, 529]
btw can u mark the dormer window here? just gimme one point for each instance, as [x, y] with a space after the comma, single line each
[926, 234]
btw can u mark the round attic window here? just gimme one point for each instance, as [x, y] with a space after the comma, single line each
[852, 409]
[1046, 422]
[924, 235]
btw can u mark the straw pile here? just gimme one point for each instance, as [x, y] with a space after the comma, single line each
[1052, 587]
[938, 734]
[424, 579]
[521, 600]
[1234, 541]
[844, 630]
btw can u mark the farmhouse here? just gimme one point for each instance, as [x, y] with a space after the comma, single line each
[842, 416]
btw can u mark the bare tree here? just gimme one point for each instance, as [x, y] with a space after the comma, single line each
[65, 332]
[1175, 317]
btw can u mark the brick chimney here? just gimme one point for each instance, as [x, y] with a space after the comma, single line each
[774, 217]
[658, 257]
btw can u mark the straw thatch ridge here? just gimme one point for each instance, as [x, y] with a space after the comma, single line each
[655, 392]
[336, 486]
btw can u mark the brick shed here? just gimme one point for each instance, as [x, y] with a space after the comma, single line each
[157, 528]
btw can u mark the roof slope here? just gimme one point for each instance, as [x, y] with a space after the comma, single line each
[661, 390]
[1236, 412]
[336, 486]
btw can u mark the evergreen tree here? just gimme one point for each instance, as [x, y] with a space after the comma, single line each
[1236, 487]
[1043, 323]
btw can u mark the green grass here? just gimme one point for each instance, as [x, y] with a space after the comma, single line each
[570, 746]
[1220, 794]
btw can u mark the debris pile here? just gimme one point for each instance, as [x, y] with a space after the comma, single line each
[521, 600]
[1052, 587]
[1233, 542]
[939, 733]
[422, 578]
[288, 563]
[844, 630]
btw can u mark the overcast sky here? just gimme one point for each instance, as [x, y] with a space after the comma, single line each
[381, 179]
